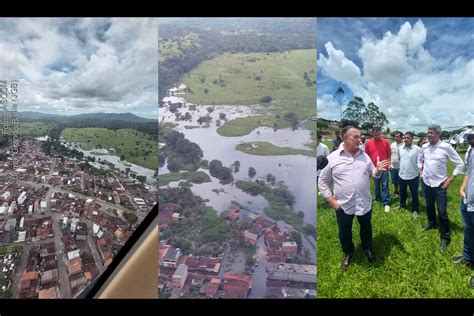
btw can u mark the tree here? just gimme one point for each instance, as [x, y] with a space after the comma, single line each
[252, 172]
[339, 95]
[266, 99]
[187, 116]
[222, 116]
[366, 116]
[206, 90]
[210, 109]
[270, 178]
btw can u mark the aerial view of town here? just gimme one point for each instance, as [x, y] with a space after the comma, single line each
[236, 159]
[78, 170]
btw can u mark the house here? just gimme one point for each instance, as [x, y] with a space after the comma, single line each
[169, 256]
[236, 285]
[74, 266]
[179, 276]
[289, 247]
[251, 236]
[212, 287]
[48, 293]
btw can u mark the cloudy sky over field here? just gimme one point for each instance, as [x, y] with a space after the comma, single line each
[72, 66]
[418, 71]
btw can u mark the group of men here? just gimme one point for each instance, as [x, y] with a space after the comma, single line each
[344, 183]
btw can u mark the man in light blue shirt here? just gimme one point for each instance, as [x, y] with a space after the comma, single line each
[467, 210]
[407, 156]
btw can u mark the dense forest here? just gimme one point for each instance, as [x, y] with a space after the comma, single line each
[216, 36]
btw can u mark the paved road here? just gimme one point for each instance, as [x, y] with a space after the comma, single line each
[64, 285]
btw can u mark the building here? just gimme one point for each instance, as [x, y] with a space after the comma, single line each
[250, 236]
[292, 272]
[179, 276]
[213, 287]
[169, 256]
[236, 285]
[289, 247]
[21, 198]
[48, 293]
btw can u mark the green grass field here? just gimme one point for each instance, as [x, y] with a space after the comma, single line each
[244, 125]
[268, 149]
[194, 177]
[281, 77]
[409, 264]
[35, 129]
[171, 48]
[137, 147]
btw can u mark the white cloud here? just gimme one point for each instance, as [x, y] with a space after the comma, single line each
[82, 65]
[409, 85]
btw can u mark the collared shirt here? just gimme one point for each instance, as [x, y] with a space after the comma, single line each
[470, 184]
[433, 159]
[350, 176]
[321, 150]
[394, 161]
[408, 157]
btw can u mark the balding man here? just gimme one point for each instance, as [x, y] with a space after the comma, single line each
[349, 169]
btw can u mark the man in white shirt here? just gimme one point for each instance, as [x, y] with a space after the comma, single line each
[321, 149]
[467, 209]
[407, 156]
[349, 170]
[432, 162]
[394, 162]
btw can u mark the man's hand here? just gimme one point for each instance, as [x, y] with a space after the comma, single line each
[332, 202]
[381, 165]
[448, 182]
[462, 193]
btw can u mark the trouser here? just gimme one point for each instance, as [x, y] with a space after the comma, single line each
[413, 185]
[437, 195]
[382, 182]
[344, 221]
[468, 223]
[394, 174]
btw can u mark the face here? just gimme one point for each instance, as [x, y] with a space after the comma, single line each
[408, 139]
[362, 139]
[433, 137]
[471, 141]
[318, 141]
[352, 140]
[398, 138]
[338, 135]
[376, 135]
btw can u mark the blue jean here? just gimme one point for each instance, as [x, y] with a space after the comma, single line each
[344, 222]
[395, 177]
[382, 181]
[468, 223]
[439, 196]
[413, 185]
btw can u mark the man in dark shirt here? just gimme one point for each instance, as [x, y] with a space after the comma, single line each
[336, 142]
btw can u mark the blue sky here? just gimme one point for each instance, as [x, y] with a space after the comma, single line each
[417, 70]
[86, 65]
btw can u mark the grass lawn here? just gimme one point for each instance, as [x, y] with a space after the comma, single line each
[137, 147]
[243, 79]
[35, 129]
[268, 149]
[194, 177]
[409, 264]
[244, 125]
